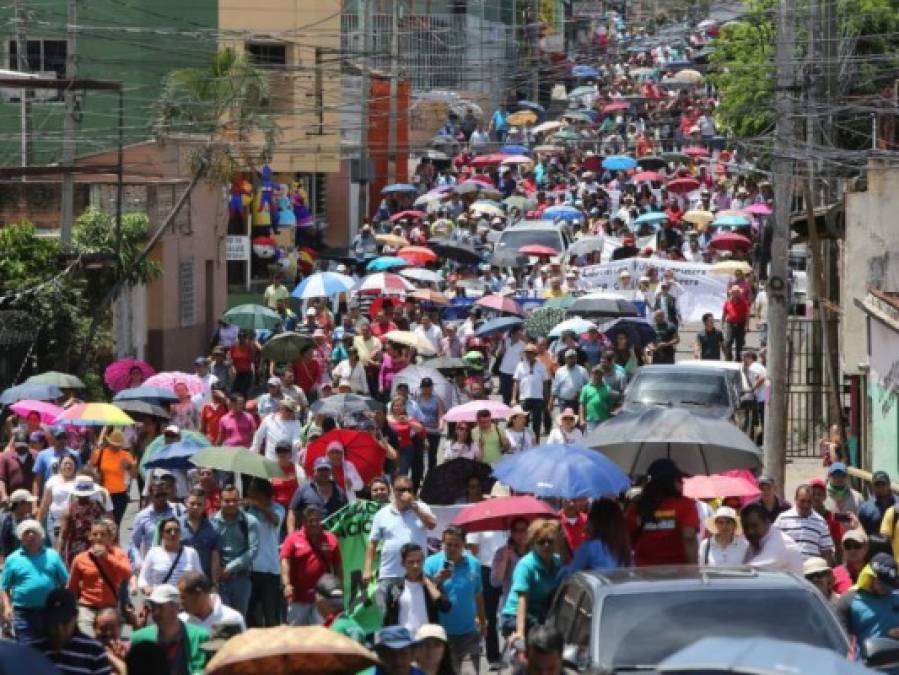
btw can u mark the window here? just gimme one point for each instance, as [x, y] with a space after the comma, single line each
[266, 54]
[44, 56]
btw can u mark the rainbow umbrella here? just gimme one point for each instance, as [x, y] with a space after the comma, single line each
[94, 415]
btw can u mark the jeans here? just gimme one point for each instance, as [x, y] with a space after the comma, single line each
[242, 383]
[235, 592]
[266, 600]
[28, 623]
[302, 614]
[465, 645]
[536, 407]
[734, 339]
[119, 504]
[491, 606]
[406, 454]
[505, 387]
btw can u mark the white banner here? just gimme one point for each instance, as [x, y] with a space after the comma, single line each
[610, 243]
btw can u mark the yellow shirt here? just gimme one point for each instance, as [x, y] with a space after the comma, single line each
[890, 530]
[549, 293]
[273, 294]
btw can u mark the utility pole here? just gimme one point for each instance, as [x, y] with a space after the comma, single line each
[365, 24]
[22, 67]
[68, 130]
[534, 49]
[394, 74]
[778, 287]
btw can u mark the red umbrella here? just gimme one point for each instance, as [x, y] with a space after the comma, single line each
[417, 255]
[730, 241]
[501, 512]
[718, 485]
[500, 303]
[483, 178]
[118, 374]
[359, 447]
[408, 215]
[696, 151]
[538, 250]
[616, 106]
[487, 160]
[644, 176]
[683, 185]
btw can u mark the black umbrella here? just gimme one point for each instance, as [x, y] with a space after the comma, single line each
[137, 407]
[445, 483]
[652, 163]
[639, 333]
[624, 252]
[458, 252]
[610, 307]
[445, 364]
[341, 405]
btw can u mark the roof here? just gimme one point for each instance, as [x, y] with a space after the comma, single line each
[688, 577]
[880, 305]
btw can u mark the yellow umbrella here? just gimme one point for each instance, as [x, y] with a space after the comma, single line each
[522, 117]
[730, 266]
[552, 125]
[698, 217]
[689, 75]
[290, 650]
[414, 340]
[391, 240]
[94, 414]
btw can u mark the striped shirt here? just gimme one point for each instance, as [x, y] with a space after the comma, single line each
[80, 656]
[810, 533]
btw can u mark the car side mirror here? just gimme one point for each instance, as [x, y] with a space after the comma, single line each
[881, 652]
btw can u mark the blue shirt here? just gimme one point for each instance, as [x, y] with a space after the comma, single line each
[239, 541]
[538, 582]
[870, 513]
[591, 555]
[461, 590]
[30, 578]
[392, 529]
[872, 615]
[267, 560]
[47, 462]
[143, 535]
[204, 540]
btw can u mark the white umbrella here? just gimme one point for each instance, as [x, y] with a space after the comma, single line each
[518, 159]
[386, 283]
[323, 285]
[552, 125]
[421, 274]
[574, 325]
[417, 341]
[412, 375]
[486, 208]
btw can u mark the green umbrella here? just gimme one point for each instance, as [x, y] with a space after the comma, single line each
[520, 203]
[252, 317]
[237, 460]
[285, 347]
[542, 320]
[581, 91]
[57, 379]
[566, 135]
[675, 157]
[563, 302]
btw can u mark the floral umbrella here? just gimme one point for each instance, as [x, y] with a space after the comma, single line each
[118, 374]
[168, 380]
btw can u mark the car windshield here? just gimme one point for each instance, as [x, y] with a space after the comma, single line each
[644, 629]
[514, 239]
[679, 389]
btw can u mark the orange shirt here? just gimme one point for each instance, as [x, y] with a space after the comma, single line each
[116, 464]
[86, 582]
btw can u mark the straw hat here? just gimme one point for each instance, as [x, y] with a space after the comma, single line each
[723, 512]
[518, 410]
[116, 439]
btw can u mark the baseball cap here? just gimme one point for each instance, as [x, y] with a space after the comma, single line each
[164, 593]
[329, 587]
[857, 535]
[58, 432]
[836, 467]
[884, 567]
[817, 482]
[172, 429]
[880, 477]
[394, 637]
[570, 352]
[322, 463]
[201, 361]
[664, 468]
[814, 565]
[21, 495]
[426, 382]
[430, 631]
[21, 438]
[767, 480]
[274, 381]
[60, 606]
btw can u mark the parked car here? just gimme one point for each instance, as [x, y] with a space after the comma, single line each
[630, 620]
[702, 389]
[526, 232]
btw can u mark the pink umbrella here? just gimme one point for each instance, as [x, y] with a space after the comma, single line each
[616, 107]
[468, 412]
[500, 513]
[696, 151]
[47, 411]
[730, 241]
[118, 374]
[385, 282]
[651, 176]
[538, 250]
[168, 380]
[500, 303]
[758, 209]
[718, 485]
[683, 185]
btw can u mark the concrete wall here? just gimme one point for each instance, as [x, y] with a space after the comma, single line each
[870, 256]
[883, 393]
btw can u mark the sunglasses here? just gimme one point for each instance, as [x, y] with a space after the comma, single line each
[546, 542]
[852, 546]
[172, 530]
[519, 530]
[402, 489]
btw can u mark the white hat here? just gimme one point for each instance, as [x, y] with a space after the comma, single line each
[723, 512]
[20, 496]
[172, 429]
[29, 525]
[164, 593]
[430, 630]
[814, 565]
[311, 311]
[84, 487]
[341, 268]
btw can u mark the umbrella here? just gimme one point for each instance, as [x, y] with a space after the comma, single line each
[499, 513]
[698, 217]
[689, 75]
[342, 405]
[458, 252]
[176, 456]
[494, 159]
[36, 392]
[413, 374]
[538, 250]
[138, 407]
[285, 347]
[675, 157]
[252, 317]
[430, 296]
[118, 374]
[577, 116]
[500, 303]
[417, 255]
[323, 285]
[57, 379]
[549, 149]
[566, 135]
[695, 151]
[415, 340]
[467, 187]
[647, 176]
[652, 162]
[673, 83]
[498, 325]
[445, 483]
[577, 92]
[584, 71]
[445, 364]
[393, 240]
[562, 302]
[158, 444]
[398, 187]
[518, 202]
[487, 207]
[237, 460]
[585, 245]
[21, 658]
[385, 283]
[619, 163]
[653, 217]
[758, 656]
[731, 266]
[408, 215]
[730, 241]
[518, 159]
[386, 262]
[290, 650]
[505, 257]
[359, 447]
[698, 444]
[169, 380]
[616, 107]
[423, 275]
[568, 213]
[529, 105]
[731, 220]
[561, 470]
[552, 125]
[718, 485]
[575, 325]
[154, 395]
[94, 415]
[542, 320]
[513, 149]
[682, 186]
[611, 307]
[639, 333]
[47, 411]
[521, 118]
[468, 412]
[758, 209]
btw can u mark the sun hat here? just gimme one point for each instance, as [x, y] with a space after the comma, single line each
[518, 410]
[711, 523]
[21, 496]
[394, 637]
[29, 525]
[116, 438]
[84, 487]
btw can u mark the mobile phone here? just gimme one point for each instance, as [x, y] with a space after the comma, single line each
[842, 518]
[448, 565]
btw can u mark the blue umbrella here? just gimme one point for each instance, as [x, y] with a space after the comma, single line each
[499, 325]
[323, 285]
[568, 213]
[619, 163]
[558, 470]
[515, 150]
[639, 333]
[176, 456]
[575, 325]
[732, 220]
[386, 262]
[154, 395]
[759, 656]
[584, 71]
[529, 105]
[651, 217]
[30, 391]
[398, 187]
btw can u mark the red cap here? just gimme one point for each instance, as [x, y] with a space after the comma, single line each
[817, 482]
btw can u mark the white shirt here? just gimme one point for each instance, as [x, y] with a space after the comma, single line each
[274, 430]
[757, 373]
[158, 561]
[573, 437]
[760, 306]
[60, 492]
[777, 552]
[221, 614]
[712, 554]
[512, 357]
[520, 440]
[488, 544]
[431, 334]
[413, 610]
[530, 378]
[353, 481]
[465, 450]
[355, 375]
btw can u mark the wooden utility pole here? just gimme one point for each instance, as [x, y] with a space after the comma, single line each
[67, 215]
[22, 67]
[365, 24]
[778, 286]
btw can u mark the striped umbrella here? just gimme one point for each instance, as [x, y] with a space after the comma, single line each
[323, 285]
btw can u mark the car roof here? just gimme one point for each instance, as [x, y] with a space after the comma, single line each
[677, 368]
[707, 364]
[535, 225]
[689, 578]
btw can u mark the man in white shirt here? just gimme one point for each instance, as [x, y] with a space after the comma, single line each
[281, 425]
[529, 387]
[769, 547]
[430, 331]
[757, 377]
[806, 527]
[760, 312]
[201, 370]
[204, 608]
[352, 371]
[510, 356]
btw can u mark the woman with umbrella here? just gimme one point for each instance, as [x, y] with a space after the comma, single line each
[462, 445]
[625, 355]
[184, 413]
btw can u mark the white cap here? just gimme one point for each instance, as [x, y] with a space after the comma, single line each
[164, 593]
[311, 311]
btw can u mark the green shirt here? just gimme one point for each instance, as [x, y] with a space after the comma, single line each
[194, 637]
[536, 581]
[493, 445]
[596, 399]
[346, 625]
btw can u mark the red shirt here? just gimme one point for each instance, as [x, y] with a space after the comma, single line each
[309, 562]
[736, 311]
[576, 532]
[210, 416]
[307, 374]
[242, 356]
[213, 502]
[17, 474]
[660, 542]
[379, 330]
[283, 489]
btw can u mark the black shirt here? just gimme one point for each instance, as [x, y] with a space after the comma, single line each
[308, 495]
[664, 333]
[710, 344]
